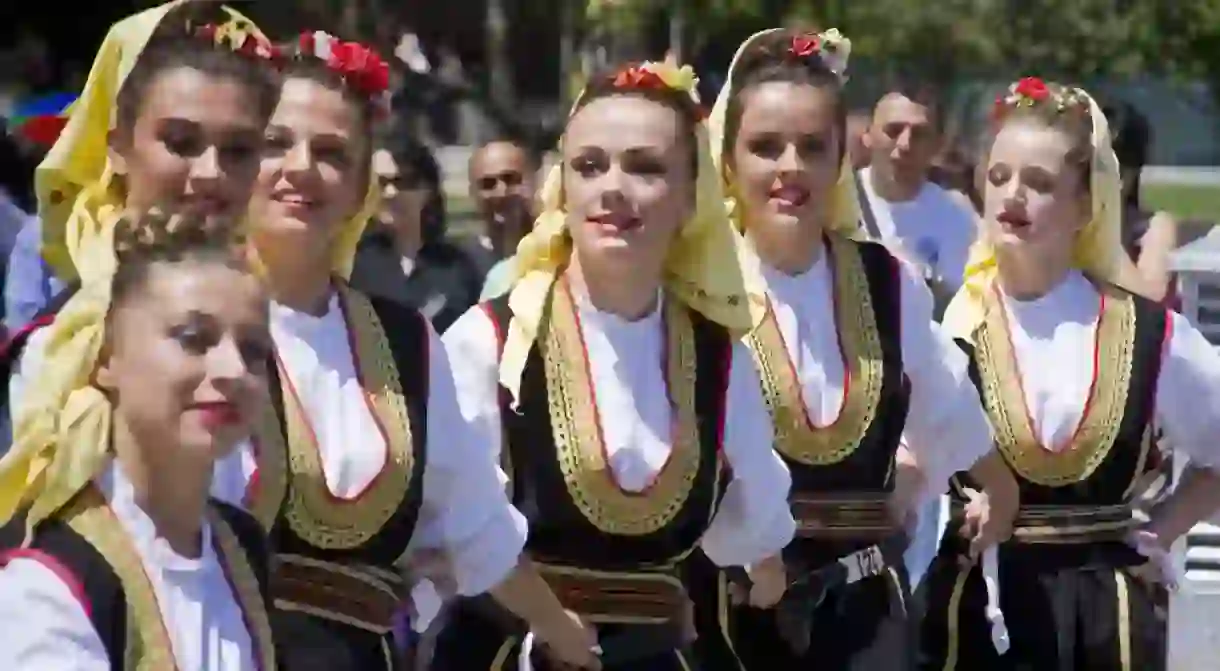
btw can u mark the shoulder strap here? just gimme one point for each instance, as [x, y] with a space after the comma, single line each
[866, 208]
[242, 550]
[251, 536]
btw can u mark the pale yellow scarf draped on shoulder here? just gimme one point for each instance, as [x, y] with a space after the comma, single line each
[844, 209]
[62, 430]
[701, 268]
[1098, 250]
[75, 181]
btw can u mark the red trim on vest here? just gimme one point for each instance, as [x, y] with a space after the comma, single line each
[25, 332]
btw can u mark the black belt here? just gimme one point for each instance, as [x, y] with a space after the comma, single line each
[1074, 524]
[794, 613]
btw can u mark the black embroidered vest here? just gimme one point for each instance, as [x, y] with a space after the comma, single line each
[856, 452]
[555, 500]
[1113, 446]
[390, 350]
[113, 612]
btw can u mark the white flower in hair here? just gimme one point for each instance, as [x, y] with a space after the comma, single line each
[321, 45]
[835, 52]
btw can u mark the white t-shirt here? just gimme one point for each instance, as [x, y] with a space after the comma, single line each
[932, 228]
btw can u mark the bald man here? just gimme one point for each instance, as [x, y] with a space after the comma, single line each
[502, 183]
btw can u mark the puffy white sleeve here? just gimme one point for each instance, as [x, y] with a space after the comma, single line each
[44, 625]
[947, 429]
[754, 520]
[1188, 393]
[466, 510]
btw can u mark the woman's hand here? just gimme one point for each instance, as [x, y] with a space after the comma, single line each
[571, 643]
[431, 565]
[989, 520]
[770, 578]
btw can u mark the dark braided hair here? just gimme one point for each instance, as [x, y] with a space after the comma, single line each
[771, 59]
[144, 240]
[175, 44]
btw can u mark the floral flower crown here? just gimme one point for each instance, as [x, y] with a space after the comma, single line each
[658, 76]
[1033, 92]
[831, 48]
[239, 35]
[361, 68]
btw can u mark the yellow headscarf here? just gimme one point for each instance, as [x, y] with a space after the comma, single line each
[845, 210]
[62, 408]
[1098, 250]
[845, 205]
[75, 180]
[701, 268]
[62, 429]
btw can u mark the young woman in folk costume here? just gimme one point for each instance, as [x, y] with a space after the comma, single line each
[850, 361]
[114, 557]
[363, 453]
[172, 115]
[610, 382]
[1075, 371]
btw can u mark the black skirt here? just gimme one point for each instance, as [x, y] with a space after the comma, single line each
[309, 643]
[1066, 607]
[473, 641]
[864, 626]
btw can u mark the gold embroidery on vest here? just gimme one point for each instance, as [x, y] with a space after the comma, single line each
[267, 495]
[1099, 422]
[246, 591]
[577, 429]
[313, 511]
[148, 646]
[796, 436]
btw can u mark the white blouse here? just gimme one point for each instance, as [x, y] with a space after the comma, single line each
[1053, 339]
[45, 625]
[946, 427]
[465, 510]
[753, 521]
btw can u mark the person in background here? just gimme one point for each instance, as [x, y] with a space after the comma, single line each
[502, 186]
[929, 227]
[858, 123]
[404, 257]
[1148, 236]
[29, 284]
[901, 207]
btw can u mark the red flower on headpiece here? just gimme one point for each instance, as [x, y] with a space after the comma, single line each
[804, 46]
[1033, 88]
[636, 77]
